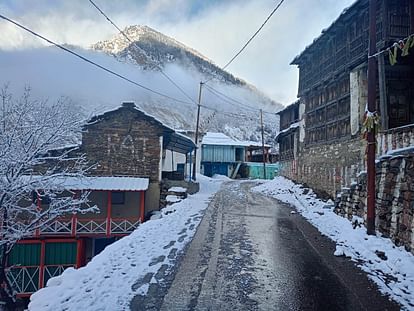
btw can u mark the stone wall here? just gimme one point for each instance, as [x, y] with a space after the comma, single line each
[394, 199]
[329, 167]
[288, 169]
[126, 143]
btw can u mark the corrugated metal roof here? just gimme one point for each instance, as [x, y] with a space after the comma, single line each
[94, 183]
[220, 139]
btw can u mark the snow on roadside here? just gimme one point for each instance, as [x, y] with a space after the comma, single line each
[394, 274]
[109, 280]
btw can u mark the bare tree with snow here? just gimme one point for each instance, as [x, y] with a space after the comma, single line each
[29, 171]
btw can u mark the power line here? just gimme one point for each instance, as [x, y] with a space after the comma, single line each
[233, 101]
[230, 114]
[251, 38]
[137, 47]
[228, 99]
[91, 62]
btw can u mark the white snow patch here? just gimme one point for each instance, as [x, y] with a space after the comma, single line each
[221, 177]
[106, 282]
[177, 189]
[173, 199]
[353, 243]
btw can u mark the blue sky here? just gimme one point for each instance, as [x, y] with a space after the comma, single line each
[217, 29]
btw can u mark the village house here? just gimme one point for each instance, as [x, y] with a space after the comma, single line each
[125, 147]
[223, 155]
[333, 91]
[288, 140]
[333, 97]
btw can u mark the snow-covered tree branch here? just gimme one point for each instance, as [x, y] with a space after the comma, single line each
[33, 169]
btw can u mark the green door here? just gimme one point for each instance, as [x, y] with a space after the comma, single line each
[25, 261]
[58, 257]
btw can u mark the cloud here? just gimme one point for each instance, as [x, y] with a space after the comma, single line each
[217, 29]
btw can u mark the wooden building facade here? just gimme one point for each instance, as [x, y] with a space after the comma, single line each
[288, 140]
[333, 91]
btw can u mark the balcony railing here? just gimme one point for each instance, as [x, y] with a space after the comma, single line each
[395, 139]
[26, 279]
[90, 226]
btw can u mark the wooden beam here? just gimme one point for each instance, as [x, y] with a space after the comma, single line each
[142, 206]
[383, 92]
[108, 215]
[42, 263]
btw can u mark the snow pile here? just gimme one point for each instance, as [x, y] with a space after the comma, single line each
[177, 189]
[114, 276]
[221, 177]
[389, 266]
[172, 199]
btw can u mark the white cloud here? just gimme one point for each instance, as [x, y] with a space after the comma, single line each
[218, 30]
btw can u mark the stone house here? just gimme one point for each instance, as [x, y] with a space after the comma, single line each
[332, 105]
[126, 147]
[333, 93]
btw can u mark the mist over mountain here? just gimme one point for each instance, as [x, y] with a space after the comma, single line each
[152, 49]
[52, 73]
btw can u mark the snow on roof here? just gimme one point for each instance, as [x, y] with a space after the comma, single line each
[250, 143]
[95, 183]
[221, 139]
[292, 127]
[131, 106]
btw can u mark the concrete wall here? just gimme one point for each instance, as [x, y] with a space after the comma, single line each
[130, 208]
[152, 197]
[171, 159]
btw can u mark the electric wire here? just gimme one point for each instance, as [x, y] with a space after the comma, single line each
[234, 101]
[166, 76]
[138, 48]
[246, 117]
[230, 114]
[390, 47]
[91, 62]
[251, 38]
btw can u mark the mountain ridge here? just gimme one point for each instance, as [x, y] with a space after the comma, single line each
[146, 47]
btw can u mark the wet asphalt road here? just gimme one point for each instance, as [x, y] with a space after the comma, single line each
[251, 253]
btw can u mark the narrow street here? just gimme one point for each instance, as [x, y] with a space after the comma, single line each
[251, 253]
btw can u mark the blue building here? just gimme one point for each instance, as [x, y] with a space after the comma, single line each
[221, 155]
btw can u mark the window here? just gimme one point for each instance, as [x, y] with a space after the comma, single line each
[329, 118]
[118, 197]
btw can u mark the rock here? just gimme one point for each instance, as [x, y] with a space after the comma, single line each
[381, 255]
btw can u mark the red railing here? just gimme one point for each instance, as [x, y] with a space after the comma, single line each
[90, 226]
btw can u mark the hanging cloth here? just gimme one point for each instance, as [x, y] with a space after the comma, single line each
[408, 44]
[393, 54]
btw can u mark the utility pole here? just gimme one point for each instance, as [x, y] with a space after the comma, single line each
[263, 146]
[371, 140]
[196, 132]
